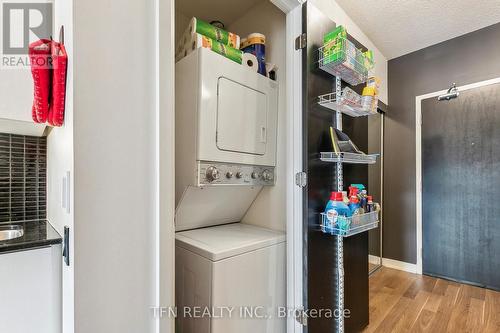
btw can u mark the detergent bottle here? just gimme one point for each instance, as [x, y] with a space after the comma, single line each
[335, 208]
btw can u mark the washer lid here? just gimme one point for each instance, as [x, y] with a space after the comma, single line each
[221, 242]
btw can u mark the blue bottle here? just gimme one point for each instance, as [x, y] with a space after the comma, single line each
[335, 208]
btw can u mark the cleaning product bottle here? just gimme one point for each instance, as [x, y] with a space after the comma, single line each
[360, 188]
[369, 204]
[361, 193]
[354, 206]
[335, 208]
[363, 199]
[353, 191]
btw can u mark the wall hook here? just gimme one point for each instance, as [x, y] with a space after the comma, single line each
[61, 35]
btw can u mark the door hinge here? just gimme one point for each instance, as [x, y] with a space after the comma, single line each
[301, 317]
[301, 179]
[301, 41]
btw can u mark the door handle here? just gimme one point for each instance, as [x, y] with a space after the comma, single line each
[66, 245]
[263, 135]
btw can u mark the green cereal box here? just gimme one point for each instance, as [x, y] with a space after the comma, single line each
[334, 44]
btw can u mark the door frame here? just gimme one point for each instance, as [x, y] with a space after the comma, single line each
[164, 281]
[294, 165]
[418, 159]
[165, 242]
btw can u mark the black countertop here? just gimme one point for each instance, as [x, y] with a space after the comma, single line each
[36, 234]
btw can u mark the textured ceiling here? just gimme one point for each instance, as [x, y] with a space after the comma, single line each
[398, 27]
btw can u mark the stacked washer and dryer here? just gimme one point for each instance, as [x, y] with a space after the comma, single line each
[226, 134]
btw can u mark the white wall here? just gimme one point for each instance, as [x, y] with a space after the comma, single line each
[16, 103]
[269, 208]
[16, 99]
[115, 181]
[60, 139]
[166, 161]
[337, 14]
[181, 23]
[60, 161]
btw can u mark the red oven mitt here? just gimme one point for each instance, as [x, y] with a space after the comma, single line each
[58, 95]
[40, 60]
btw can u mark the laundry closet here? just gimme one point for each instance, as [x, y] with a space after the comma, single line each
[230, 192]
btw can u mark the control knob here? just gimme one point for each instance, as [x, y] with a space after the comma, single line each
[239, 174]
[212, 174]
[255, 175]
[267, 175]
[229, 175]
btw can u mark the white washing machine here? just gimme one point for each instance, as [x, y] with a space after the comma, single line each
[231, 278]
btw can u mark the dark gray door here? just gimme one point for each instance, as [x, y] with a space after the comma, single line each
[320, 250]
[461, 187]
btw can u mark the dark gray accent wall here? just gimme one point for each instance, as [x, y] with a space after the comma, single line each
[23, 168]
[374, 175]
[466, 59]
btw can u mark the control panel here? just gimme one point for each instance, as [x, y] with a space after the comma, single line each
[217, 173]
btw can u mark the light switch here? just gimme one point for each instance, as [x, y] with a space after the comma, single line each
[66, 194]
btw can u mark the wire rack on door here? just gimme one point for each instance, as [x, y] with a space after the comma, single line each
[346, 61]
[347, 226]
[351, 158]
[351, 104]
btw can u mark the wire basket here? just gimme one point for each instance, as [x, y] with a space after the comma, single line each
[350, 158]
[350, 104]
[349, 226]
[345, 61]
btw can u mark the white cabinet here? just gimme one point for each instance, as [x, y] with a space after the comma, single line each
[30, 289]
[16, 98]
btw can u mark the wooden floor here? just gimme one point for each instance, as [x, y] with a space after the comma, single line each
[404, 302]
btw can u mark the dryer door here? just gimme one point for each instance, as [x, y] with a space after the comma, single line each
[241, 118]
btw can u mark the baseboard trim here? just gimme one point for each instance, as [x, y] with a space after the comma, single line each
[373, 259]
[401, 265]
[395, 264]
